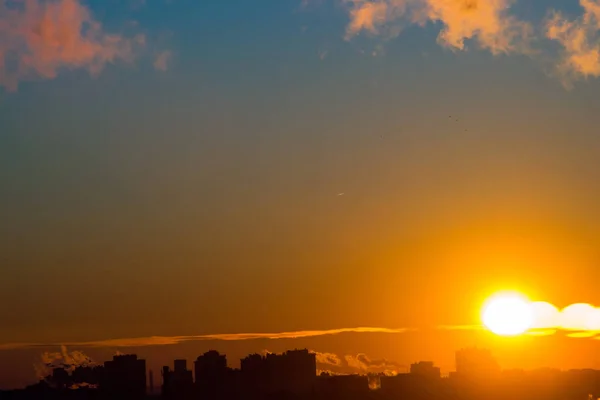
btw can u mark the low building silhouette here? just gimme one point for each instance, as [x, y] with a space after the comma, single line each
[474, 363]
[342, 386]
[424, 381]
[292, 376]
[425, 369]
[294, 372]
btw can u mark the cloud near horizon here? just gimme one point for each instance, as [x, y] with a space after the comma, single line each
[356, 364]
[69, 360]
[172, 340]
[577, 321]
[39, 38]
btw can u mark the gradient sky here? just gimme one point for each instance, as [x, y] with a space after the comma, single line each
[207, 167]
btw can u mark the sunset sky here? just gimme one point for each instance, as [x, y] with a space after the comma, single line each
[182, 167]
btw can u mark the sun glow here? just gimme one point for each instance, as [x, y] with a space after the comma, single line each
[508, 314]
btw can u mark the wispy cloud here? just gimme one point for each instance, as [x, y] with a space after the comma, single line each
[39, 38]
[461, 327]
[577, 320]
[172, 340]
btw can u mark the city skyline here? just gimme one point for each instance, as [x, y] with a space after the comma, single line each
[299, 372]
[353, 177]
[512, 353]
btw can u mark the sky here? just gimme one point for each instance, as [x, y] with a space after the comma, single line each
[181, 168]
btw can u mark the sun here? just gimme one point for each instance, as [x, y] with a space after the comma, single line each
[508, 314]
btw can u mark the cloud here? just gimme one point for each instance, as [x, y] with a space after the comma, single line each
[83, 385]
[161, 60]
[356, 364]
[490, 25]
[461, 327]
[579, 41]
[39, 38]
[327, 359]
[172, 340]
[366, 15]
[579, 317]
[66, 359]
[367, 365]
[578, 320]
[374, 16]
[69, 360]
[541, 332]
[487, 22]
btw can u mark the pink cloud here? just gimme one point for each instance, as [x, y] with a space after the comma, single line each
[39, 38]
[161, 61]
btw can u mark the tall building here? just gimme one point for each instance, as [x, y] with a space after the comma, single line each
[210, 367]
[424, 381]
[212, 377]
[124, 377]
[180, 365]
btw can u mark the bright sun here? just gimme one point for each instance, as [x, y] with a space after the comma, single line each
[507, 314]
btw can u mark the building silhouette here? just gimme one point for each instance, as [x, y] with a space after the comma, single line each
[292, 375]
[342, 386]
[124, 377]
[424, 381]
[425, 369]
[293, 371]
[177, 383]
[150, 382]
[473, 363]
[212, 376]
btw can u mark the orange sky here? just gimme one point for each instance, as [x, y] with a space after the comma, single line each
[314, 166]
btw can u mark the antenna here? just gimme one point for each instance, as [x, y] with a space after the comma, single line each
[151, 379]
